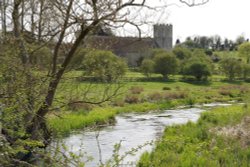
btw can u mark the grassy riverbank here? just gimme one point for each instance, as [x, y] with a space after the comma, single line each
[136, 96]
[71, 121]
[216, 140]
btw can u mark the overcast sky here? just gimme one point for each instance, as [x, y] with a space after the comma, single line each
[227, 18]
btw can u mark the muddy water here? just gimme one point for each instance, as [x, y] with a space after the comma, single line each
[131, 130]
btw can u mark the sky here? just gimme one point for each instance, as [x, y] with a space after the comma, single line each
[227, 18]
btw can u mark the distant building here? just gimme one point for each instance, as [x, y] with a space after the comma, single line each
[131, 48]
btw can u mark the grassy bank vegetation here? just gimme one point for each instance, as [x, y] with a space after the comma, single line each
[70, 121]
[137, 97]
[206, 143]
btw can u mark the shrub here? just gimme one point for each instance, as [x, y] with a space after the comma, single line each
[182, 52]
[40, 56]
[175, 95]
[166, 64]
[119, 103]
[104, 66]
[147, 67]
[132, 99]
[198, 69]
[156, 96]
[232, 67]
[77, 60]
[166, 88]
[136, 90]
[80, 106]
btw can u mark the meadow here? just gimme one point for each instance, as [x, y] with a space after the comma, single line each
[136, 94]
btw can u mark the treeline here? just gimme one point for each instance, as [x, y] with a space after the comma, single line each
[215, 43]
[199, 64]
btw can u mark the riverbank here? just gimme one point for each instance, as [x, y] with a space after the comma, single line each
[137, 96]
[209, 142]
[68, 122]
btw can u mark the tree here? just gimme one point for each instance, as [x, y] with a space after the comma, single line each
[103, 66]
[28, 98]
[232, 67]
[166, 64]
[199, 70]
[147, 67]
[198, 65]
[182, 52]
[246, 71]
[244, 51]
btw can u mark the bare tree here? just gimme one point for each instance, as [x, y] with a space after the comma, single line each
[58, 21]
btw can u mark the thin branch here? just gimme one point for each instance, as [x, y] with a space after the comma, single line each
[194, 3]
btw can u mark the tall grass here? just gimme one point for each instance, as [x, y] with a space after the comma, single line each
[196, 145]
[68, 122]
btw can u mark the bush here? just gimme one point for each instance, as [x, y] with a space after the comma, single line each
[119, 103]
[175, 95]
[136, 90]
[156, 96]
[166, 64]
[147, 67]
[166, 88]
[40, 56]
[104, 66]
[77, 61]
[232, 67]
[199, 70]
[132, 99]
[246, 71]
[182, 52]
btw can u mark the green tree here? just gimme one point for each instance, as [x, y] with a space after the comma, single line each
[199, 70]
[182, 52]
[40, 56]
[232, 67]
[166, 64]
[104, 66]
[147, 67]
[246, 71]
[244, 51]
[77, 61]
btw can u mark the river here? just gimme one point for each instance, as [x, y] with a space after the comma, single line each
[131, 130]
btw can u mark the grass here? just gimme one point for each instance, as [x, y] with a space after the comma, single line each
[68, 122]
[147, 96]
[194, 144]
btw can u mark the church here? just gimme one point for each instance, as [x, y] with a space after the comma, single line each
[131, 48]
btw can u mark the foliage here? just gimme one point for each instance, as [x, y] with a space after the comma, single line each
[136, 89]
[244, 51]
[20, 95]
[198, 70]
[40, 56]
[77, 61]
[197, 145]
[182, 52]
[199, 65]
[166, 64]
[147, 67]
[246, 71]
[232, 67]
[104, 66]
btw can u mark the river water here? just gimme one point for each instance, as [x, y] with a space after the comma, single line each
[131, 130]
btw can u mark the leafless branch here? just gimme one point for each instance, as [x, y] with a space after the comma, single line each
[192, 3]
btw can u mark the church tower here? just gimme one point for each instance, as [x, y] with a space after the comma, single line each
[163, 36]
